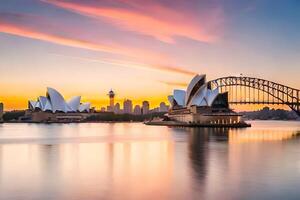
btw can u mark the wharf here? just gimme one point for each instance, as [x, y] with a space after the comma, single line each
[182, 124]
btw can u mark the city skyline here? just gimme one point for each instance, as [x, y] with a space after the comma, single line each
[54, 102]
[86, 47]
[128, 107]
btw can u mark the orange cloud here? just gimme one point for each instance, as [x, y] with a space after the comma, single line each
[164, 27]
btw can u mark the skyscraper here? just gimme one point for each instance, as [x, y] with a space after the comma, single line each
[111, 106]
[145, 107]
[137, 110]
[127, 106]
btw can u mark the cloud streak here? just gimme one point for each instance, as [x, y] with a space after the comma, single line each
[34, 27]
[180, 84]
[135, 65]
[35, 34]
[157, 21]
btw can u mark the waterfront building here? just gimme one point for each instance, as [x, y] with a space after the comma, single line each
[1, 111]
[145, 107]
[102, 109]
[109, 109]
[117, 109]
[163, 107]
[54, 102]
[137, 110]
[111, 95]
[199, 104]
[127, 106]
[154, 110]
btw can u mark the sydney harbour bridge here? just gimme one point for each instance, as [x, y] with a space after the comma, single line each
[249, 90]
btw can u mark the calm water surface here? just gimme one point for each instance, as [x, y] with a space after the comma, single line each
[134, 161]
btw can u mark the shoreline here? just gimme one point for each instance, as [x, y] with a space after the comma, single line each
[109, 122]
[85, 122]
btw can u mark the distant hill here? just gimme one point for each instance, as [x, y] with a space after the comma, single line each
[270, 114]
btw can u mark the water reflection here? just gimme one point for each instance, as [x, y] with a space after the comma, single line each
[198, 151]
[261, 136]
[199, 136]
[133, 161]
[234, 163]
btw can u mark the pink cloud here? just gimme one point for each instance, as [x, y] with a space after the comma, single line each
[153, 19]
[39, 28]
[11, 24]
[35, 34]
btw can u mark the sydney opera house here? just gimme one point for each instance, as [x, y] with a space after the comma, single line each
[55, 102]
[199, 104]
[53, 107]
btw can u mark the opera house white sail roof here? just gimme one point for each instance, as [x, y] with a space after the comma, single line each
[55, 102]
[196, 94]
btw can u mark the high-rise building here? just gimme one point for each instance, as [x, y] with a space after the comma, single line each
[127, 105]
[1, 111]
[145, 107]
[137, 110]
[117, 109]
[163, 107]
[111, 106]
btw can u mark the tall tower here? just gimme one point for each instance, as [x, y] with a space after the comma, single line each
[111, 95]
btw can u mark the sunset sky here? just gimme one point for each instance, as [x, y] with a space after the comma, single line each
[142, 49]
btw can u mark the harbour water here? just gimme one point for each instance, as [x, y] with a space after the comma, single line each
[135, 161]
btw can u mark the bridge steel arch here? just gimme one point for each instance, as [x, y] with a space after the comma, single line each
[258, 91]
